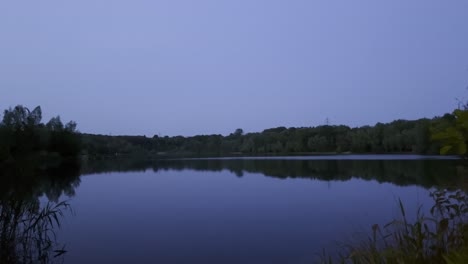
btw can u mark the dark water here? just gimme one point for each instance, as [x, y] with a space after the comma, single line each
[261, 210]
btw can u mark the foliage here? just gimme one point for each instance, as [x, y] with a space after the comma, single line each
[27, 231]
[441, 237]
[455, 137]
[22, 133]
[400, 136]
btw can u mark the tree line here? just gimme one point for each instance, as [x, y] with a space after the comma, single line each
[399, 136]
[22, 132]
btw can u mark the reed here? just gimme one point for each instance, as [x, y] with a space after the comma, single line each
[27, 231]
[440, 237]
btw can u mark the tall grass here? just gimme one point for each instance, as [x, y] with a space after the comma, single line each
[27, 231]
[441, 237]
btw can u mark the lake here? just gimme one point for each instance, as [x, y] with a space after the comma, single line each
[226, 210]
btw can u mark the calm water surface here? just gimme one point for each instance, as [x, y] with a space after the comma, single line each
[261, 210]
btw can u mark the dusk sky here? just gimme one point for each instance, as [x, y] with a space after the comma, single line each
[186, 67]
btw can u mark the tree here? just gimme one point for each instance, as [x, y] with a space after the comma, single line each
[317, 143]
[239, 132]
[16, 118]
[55, 124]
[34, 118]
[455, 138]
[22, 133]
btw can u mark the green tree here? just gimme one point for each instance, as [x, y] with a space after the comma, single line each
[455, 138]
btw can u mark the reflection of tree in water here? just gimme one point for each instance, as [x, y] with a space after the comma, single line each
[425, 173]
[27, 225]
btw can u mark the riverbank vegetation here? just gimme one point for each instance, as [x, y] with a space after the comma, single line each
[455, 136]
[400, 136]
[440, 237]
[28, 224]
[23, 134]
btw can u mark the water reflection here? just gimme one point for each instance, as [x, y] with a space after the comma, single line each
[198, 211]
[426, 173]
[187, 215]
[28, 222]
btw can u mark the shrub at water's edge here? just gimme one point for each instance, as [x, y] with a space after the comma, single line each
[23, 134]
[441, 237]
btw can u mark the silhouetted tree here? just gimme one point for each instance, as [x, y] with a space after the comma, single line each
[22, 133]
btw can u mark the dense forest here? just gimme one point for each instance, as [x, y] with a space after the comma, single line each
[21, 132]
[400, 136]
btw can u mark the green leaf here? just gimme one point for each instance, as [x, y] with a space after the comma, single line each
[445, 149]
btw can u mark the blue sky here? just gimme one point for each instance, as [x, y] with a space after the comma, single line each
[210, 66]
